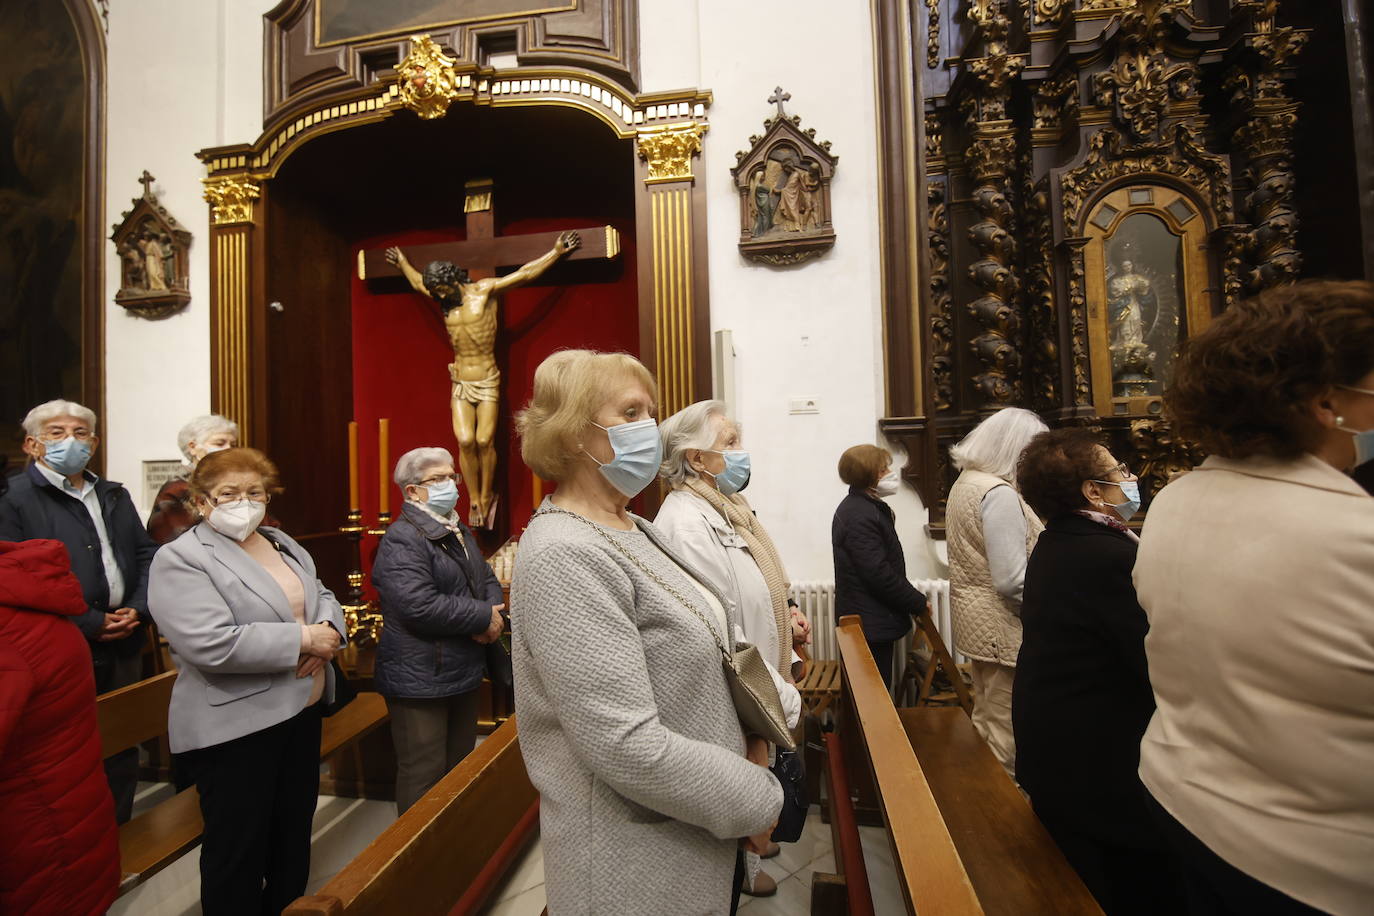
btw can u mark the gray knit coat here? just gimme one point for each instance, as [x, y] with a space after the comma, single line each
[627, 727]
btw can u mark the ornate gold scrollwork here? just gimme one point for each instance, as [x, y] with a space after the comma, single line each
[669, 150]
[1141, 80]
[231, 200]
[1054, 100]
[1159, 455]
[426, 78]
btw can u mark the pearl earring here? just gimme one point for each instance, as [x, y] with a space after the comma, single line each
[1340, 420]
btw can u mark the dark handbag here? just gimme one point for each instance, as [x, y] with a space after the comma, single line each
[499, 667]
[344, 691]
[791, 772]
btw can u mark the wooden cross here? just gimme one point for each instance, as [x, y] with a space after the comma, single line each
[483, 253]
[147, 181]
[777, 98]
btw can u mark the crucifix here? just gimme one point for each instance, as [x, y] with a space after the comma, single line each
[468, 296]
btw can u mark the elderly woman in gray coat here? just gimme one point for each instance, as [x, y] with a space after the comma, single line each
[252, 631]
[648, 783]
[441, 604]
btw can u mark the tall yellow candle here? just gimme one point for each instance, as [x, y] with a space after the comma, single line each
[383, 463]
[353, 466]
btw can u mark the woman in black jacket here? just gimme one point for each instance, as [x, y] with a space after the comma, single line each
[1082, 697]
[870, 569]
[441, 605]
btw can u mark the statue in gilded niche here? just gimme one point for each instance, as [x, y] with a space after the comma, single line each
[789, 216]
[470, 313]
[154, 259]
[760, 203]
[1132, 308]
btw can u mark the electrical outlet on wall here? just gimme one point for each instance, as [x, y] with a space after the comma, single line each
[804, 405]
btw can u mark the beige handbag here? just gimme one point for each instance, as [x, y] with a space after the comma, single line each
[751, 683]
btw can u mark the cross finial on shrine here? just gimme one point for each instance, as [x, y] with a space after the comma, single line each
[147, 181]
[777, 98]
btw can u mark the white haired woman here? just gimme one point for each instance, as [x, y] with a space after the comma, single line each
[991, 532]
[627, 725]
[172, 510]
[710, 525]
[441, 604]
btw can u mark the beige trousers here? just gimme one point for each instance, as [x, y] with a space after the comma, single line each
[992, 711]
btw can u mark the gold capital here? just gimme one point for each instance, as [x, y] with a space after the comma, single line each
[669, 150]
[231, 200]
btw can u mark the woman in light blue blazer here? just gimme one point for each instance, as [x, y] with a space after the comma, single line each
[252, 631]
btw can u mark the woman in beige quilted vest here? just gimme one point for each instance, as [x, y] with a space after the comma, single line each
[991, 531]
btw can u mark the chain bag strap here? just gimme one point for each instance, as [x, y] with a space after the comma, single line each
[752, 689]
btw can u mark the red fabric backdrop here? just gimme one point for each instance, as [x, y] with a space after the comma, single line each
[401, 356]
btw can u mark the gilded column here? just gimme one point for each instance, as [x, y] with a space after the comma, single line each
[1265, 139]
[992, 160]
[671, 262]
[231, 228]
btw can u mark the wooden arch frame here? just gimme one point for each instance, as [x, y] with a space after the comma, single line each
[1187, 218]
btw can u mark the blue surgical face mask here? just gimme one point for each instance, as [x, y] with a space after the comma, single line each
[1364, 441]
[67, 456]
[638, 452]
[1131, 490]
[736, 474]
[442, 497]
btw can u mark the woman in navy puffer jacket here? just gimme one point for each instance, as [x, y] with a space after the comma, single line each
[441, 606]
[59, 846]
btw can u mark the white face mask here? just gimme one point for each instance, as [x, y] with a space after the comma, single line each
[887, 485]
[238, 520]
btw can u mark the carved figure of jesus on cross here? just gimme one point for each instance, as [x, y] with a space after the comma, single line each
[468, 297]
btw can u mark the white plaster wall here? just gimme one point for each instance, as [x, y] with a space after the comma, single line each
[807, 331]
[171, 64]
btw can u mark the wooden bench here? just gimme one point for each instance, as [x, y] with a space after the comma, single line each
[448, 852]
[964, 840]
[819, 686]
[154, 839]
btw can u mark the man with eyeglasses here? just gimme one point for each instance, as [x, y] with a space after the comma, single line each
[57, 497]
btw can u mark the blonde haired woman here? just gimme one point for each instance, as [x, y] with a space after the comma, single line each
[991, 532]
[626, 722]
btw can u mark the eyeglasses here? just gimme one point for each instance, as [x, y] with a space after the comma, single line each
[440, 478]
[1119, 468]
[224, 497]
[57, 434]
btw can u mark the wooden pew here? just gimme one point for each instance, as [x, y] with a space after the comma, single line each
[964, 840]
[447, 853]
[154, 839]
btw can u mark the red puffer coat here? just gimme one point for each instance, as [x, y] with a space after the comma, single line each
[59, 846]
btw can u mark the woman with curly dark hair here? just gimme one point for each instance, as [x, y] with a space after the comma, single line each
[1081, 699]
[1257, 574]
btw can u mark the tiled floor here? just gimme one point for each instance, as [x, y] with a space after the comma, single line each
[344, 826]
[523, 892]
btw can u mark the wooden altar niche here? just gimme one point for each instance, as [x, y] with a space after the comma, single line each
[1054, 142]
[342, 163]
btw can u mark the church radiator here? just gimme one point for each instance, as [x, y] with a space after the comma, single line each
[817, 602]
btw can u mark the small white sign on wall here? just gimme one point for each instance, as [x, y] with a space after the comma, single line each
[155, 474]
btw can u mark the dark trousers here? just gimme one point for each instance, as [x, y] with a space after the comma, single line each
[121, 770]
[882, 657]
[257, 797]
[1125, 880]
[1214, 886]
[432, 736]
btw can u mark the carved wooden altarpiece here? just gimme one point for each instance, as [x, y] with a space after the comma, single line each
[784, 187]
[1097, 179]
[153, 249]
